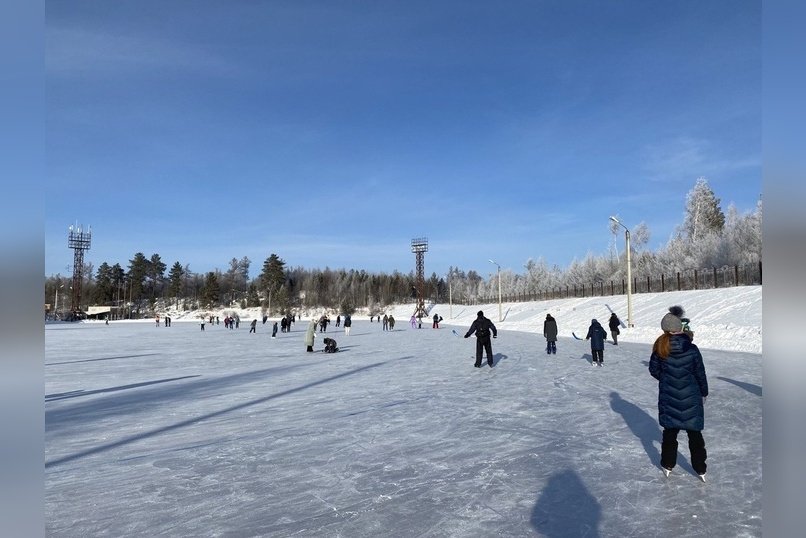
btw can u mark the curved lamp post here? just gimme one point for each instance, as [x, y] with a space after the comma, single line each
[629, 272]
[499, 290]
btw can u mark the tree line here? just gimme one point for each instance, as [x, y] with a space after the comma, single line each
[708, 237]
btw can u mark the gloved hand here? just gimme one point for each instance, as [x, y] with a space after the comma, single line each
[495, 336]
[466, 336]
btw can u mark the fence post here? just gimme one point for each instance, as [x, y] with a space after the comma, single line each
[648, 284]
[678, 281]
[716, 285]
[759, 272]
[695, 279]
[662, 282]
[735, 275]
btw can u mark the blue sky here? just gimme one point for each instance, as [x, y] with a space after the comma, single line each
[332, 133]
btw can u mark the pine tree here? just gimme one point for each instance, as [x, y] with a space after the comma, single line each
[211, 291]
[175, 280]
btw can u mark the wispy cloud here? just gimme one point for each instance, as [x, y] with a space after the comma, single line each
[686, 158]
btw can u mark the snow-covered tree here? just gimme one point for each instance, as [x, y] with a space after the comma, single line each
[703, 215]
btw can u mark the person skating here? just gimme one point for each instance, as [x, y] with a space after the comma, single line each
[596, 334]
[391, 322]
[483, 328]
[310, 334]
[274, 330]
[437, 319]
[348, 323]
[338, 320]
[550, 332]
[413, 322]
[385, 322]
[253, 327]
[614, 324]
[682, 389]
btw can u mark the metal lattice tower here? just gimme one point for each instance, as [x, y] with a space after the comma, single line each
[419, 247]
[79, 241]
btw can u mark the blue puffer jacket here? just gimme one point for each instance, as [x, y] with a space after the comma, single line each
[682, 385]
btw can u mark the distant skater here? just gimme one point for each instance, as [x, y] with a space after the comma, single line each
[413, 322]
[550, 332]
[274, 330]
[483, 327]
[682, 389]
[385, 322]
[391, 322]
[253, 327]
[614, 323]
[202, 324]
[338, 320]
[596, 334]
[348, 323]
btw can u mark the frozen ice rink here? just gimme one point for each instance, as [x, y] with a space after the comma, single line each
[177, 432]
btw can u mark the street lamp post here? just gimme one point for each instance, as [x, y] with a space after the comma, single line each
[629, 272]
[500, 317]
[56, 302]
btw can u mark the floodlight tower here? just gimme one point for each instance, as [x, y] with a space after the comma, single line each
[79, 240]
[419, 247]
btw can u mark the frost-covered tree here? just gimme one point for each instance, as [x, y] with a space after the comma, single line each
[703, 215]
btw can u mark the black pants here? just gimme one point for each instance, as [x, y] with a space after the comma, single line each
[696, 446]
[615, 337]
[551, 347]
[484, 344]
[598, 355]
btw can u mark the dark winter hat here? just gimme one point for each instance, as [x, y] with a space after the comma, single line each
[481, 313]
[671, 322]
[594, 321]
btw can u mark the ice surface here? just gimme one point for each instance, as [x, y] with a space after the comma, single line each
[177, 432]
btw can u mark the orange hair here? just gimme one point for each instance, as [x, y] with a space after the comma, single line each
[662, 346]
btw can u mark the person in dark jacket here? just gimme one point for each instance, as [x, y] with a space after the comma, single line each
[550, 332]
[614, 324]
[483, 328]
[330, 345]
[682, 389]
[596, 334]
[348, 323]
[252, 326]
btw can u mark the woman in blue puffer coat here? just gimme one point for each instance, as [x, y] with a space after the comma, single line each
[682, 388]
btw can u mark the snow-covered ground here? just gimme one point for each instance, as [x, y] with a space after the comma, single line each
[177, 432]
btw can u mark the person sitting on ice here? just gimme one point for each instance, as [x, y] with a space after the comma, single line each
[330, 345]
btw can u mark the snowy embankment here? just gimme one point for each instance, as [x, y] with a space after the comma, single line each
[727, 318]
